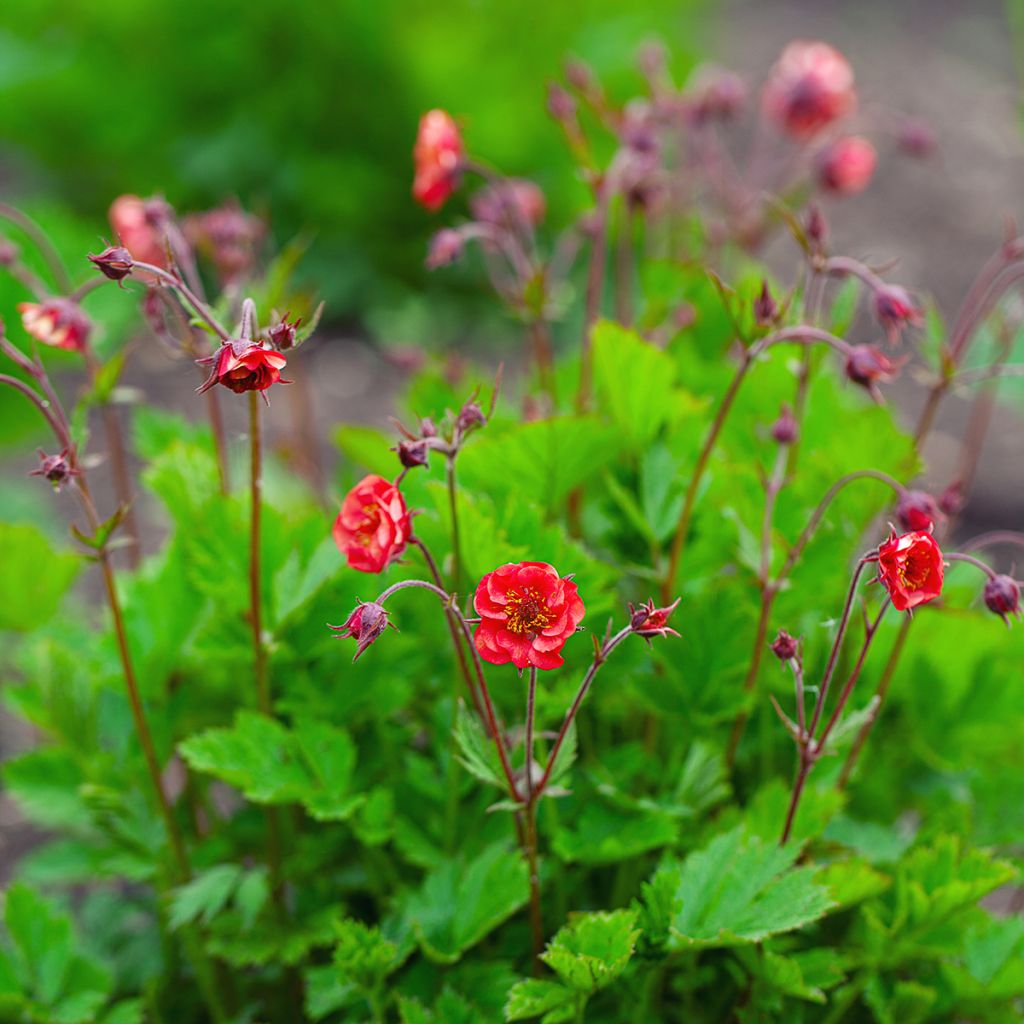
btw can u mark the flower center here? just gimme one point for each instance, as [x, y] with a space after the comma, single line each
[526, 612]
[369, 527]
[913, 573]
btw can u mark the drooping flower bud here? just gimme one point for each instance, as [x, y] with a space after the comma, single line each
[412, 453]
[917, 510]
[766, 310]
[867, 366]
[282, 335]
[785, 429]
[56, 468]
[1002, 597]
[365, 624]
[647, 621]
[845, 167]
[895, 309]
[114, 262]
[784, 646]
[445, 249]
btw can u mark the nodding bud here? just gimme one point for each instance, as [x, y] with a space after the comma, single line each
[784, 647]
[952, 499]
[412, 453]
[561, 106]
[56, 468]
[284, 333]
[1002, 597]
[785, 429]
[445, 249]
[917, 510]
[114, 262]
[867, 365]
[365, 624]
[470, 416]
[816, 227]
[895, 309]
[647, 621]
[766, 310]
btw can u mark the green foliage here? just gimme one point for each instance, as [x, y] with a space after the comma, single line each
[36, 576]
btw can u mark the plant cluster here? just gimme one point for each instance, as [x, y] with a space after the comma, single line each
[510, 808]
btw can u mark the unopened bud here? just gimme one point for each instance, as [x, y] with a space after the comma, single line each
[412, 453]
[766, 311]
[114, 262]
[445, 249]
[1002, 597]
[784, 647]
[365, 624]
[917, 510]
[785, 429]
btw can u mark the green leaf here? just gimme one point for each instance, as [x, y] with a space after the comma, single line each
[205, 896]
[634, 380]
[566, 756]
[368, 448]
[607, 835]
[311, 765]
[591, 951]
[535, 997]
[34, 579]
[477, 753]
[462, 902]
[738, 890]
[362, 956]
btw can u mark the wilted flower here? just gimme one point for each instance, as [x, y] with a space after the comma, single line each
[845, 167]
[59, 323]
[810, 86]
[648, 621]
[1002, 596]
[437, 156]
[114, 262]
[917, 510]
[910, 567]
[366, 624]
[527, 612]
[895, 309]
[56, 468]
[868, 366]
[784, 646]
[243, 366]
[373, 526]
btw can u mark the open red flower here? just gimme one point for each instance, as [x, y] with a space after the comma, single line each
[910, 567]
[437, 156]
[372, 528]
[58, 323]
[810, 86]
[527, 612]
[243, 366]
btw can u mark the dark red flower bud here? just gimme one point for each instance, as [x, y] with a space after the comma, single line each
[114, 262]
[470, 416]
[412, 453]
[951, 500]
[785, 429]
[845, 167]
[766, 311]
[816, 227]
[283, 334]
[648, 621]
[366, 624]
[784, 647]
[867, 366]
[917, 510]
[56, 468]
[1002, 596]
[445, 249]
[561, 106]
[895, 309]
[916, 139]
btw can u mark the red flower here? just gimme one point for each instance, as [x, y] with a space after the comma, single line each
[810, 86]
[911, 569]
[527, 612]
[373, 526]
[366, 624]
[867, 365]
[846, 166]
[139, 224]
[243, 366]
[56, 322]
[437, 155]
[895, 309]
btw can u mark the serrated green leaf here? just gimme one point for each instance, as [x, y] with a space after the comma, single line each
[591, 951]
[205, 896]
[477, 753]
[536, 997]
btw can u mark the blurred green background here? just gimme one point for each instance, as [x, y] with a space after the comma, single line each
[304, 111]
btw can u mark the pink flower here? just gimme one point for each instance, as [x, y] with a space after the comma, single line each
[59, 323]
[846, 166]
[810, 86]
[437, 156]
[373, 526]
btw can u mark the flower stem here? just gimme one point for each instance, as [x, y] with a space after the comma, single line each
[199, 307]
[40, 240]
[530, 850]
[531, 700]
[454, 513]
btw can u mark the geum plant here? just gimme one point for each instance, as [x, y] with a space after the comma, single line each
[248, 828]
